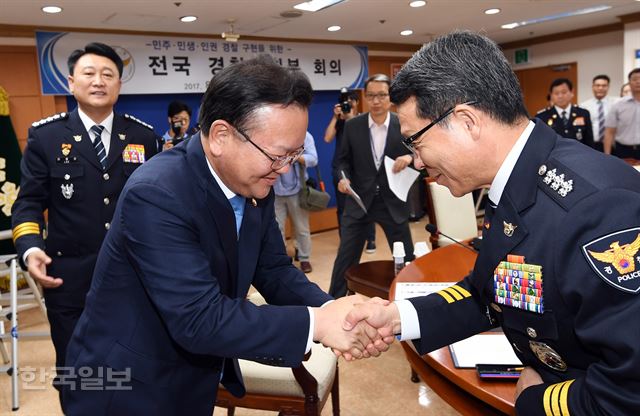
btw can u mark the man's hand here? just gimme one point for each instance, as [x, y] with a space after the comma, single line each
[401, 163]
[361, 341]
[528, 377]
[167, 145]
[382, 315]
[37, 262]
[337, 111]
[342, 185]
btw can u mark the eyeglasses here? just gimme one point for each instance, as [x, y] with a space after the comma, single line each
[380, 96]
[408, 142]
[277, 162]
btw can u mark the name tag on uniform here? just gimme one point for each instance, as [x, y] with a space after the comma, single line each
[518, 284]
[133, 153]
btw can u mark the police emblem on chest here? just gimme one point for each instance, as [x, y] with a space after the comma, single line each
[67, 190]
[614, 258]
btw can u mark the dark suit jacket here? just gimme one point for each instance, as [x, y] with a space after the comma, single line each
[356, 160]
[579, 126]
[78, 194]
[589, 311]
[167, 302]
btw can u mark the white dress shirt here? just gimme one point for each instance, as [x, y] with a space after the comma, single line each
[378, 134]
[107, 123]
[592, 106]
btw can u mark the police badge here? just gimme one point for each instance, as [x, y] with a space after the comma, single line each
[613, 258]
[67, 190]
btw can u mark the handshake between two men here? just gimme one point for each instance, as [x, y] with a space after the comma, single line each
[355, 327]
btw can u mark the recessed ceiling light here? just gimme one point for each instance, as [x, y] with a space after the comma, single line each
[558, 16]
[492, 11]
[420, 3]
[315, 5]
[407, 32]
[52, 9]
[334, 28]
[188, 19]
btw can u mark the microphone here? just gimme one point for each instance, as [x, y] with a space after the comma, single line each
[431, 228]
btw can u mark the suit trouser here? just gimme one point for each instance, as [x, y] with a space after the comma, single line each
[299, 217]
[340, 200]
[353, 236]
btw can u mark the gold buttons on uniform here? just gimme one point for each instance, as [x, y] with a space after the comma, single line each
[531, 332]
[107, 225]
[106, 176]
[106, 201]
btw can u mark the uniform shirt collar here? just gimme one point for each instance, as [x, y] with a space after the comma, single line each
[227, 192]
[500, 181]
[107, 123]
[385, 123]
[560, 110]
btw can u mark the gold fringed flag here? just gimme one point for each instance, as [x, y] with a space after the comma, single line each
[10, 157]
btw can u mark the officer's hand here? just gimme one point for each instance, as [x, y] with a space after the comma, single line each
[342, 185]
[528, 377]
[401, 163]
[37, 266]
[167, 146]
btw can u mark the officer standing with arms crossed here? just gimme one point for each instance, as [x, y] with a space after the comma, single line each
[75, 165]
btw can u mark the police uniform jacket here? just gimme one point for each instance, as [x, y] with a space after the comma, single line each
[61, 173]
[559, 270]
[579, 126]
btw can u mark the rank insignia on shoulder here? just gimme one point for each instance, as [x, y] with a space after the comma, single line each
[518, 284]
[614, 257]
[47, 120]
[137, 120]
[556, 182]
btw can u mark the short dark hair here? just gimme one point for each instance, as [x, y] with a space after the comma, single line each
[601, 76]
[353, 95]
[633, 71]
[238, 90]
[95, 48]
[559, 81]
[459, 67]
[377, 78]
[176, 107]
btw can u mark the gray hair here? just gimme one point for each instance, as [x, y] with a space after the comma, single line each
[456, 68]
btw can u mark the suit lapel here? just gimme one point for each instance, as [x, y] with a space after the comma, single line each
[117, 145]
[85, 145]
[219, 209]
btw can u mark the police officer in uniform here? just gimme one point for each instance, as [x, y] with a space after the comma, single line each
[568, 120]
[559, 268]
[75, 165]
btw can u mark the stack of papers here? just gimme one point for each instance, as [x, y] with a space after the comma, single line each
[406, 290]
[483, 349]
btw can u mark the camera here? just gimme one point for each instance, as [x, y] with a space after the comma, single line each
[345, 105]
[175, 128]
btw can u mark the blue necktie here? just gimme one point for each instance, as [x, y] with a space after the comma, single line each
[98, 146]
[237, 203]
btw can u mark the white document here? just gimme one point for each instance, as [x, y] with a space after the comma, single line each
[400, 182]
[491, 348]
[406, 290]
[353, 194]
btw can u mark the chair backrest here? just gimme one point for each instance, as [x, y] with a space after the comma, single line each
[453, 216]
[301, 391]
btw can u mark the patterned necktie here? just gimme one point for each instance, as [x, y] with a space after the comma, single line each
[99, 146]
[600, 121]
[565, 119]
[237, 203]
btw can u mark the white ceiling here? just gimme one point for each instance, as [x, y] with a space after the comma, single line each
[361, 20]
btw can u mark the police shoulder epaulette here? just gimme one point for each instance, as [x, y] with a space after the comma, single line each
[562, 184]
[47, 120]
[137, 120]
[543, 110]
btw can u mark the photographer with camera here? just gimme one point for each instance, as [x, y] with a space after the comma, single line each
[345, 109]
[179, 116]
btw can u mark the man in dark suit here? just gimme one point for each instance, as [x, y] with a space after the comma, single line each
[167, 315]
[568, 120]
[558, 269]
[366, 140]
[77, 175]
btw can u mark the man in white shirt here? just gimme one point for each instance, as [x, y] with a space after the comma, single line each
[598, 107]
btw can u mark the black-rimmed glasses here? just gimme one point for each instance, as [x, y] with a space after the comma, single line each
[408, 142]
[277, 162]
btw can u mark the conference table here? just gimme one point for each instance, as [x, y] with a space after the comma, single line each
[461, 388]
